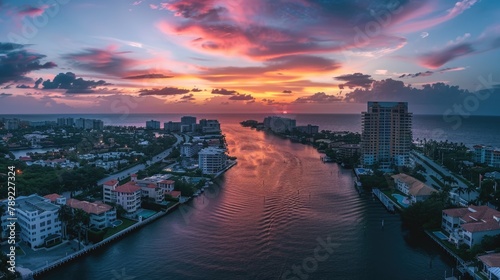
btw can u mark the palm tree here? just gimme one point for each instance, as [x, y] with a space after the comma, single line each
[65, 215]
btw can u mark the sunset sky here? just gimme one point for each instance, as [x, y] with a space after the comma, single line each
[208, 56]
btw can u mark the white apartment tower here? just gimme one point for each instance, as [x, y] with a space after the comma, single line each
[386, 135]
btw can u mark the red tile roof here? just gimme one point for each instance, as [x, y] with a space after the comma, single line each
[477, 218]
[129, 187]
[52, 196]
[152, 186]
[25, 158]
[168, 182]
[456, 212]
[492, 260]
[89, 207]
[174, 194]
[111, 183]
[133, 175]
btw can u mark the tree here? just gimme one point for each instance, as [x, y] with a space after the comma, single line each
[65, 215]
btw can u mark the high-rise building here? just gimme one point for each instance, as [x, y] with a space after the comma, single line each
[386, 134]
[188, 120]
[487, 155]
[152, 124]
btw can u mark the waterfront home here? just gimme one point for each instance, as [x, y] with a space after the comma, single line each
[152, 191]
[101, 214]
[490, 264]
[212, 160]
[129, 197]
[38, 220]
[417, 190]
[108, 188]
[469, 225]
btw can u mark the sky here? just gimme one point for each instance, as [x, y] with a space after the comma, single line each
[230, 56]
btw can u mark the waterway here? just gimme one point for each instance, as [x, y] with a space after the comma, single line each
[264, 217]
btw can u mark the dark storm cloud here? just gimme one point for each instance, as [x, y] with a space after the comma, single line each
[242, 97]
[393, 90]
[16, 62]
[223, 91]
[355, 80]
[286, 91]
[22, 86]
[69, 81]
[3, 94]
[38, 82]
[166, 91]
[149, 76]
[319, 97]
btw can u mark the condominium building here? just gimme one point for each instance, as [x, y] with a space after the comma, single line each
[279, 124]
[209, 126]
[487, 155]
[38, 220]
[188, 120]
[212, 160]
[109, 195]
[386, 134]
[308, 129]
[189, 149]
[152, 124]
[127, 195]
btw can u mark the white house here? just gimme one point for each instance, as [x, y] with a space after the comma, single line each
[412, 187]
[490, 266]
[129, 197]
[38, 219]
[470, 225]
[101, 215]
[108, 193]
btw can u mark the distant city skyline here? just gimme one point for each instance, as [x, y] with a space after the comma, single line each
[202, 56]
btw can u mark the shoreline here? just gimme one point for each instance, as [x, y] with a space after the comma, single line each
[40, 271]
[27, 273]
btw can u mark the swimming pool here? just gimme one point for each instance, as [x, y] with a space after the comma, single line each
[402, 200]
[117, 223]
[440, 235]
[145, 213]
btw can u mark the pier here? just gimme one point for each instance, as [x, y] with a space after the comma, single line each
[387, 202]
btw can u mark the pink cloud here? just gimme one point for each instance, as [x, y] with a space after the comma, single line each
[33, 11]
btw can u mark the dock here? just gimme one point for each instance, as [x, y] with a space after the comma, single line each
[387, 202]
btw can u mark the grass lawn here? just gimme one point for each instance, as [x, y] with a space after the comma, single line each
[126, 223]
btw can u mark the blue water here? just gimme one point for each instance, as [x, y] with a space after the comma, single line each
[265, 216]
[400, 199]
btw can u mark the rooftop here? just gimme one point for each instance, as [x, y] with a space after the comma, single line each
[415, 187]
[129, 187]
[492, 260]
[111, 183]
[89, 207]
[35, 202]
[52, 196]
[476, 218]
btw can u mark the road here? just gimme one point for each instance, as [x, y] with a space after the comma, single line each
[429, 171]
[125, 173]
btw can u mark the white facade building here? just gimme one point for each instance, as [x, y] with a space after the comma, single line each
[212, 160]
[38, 219]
